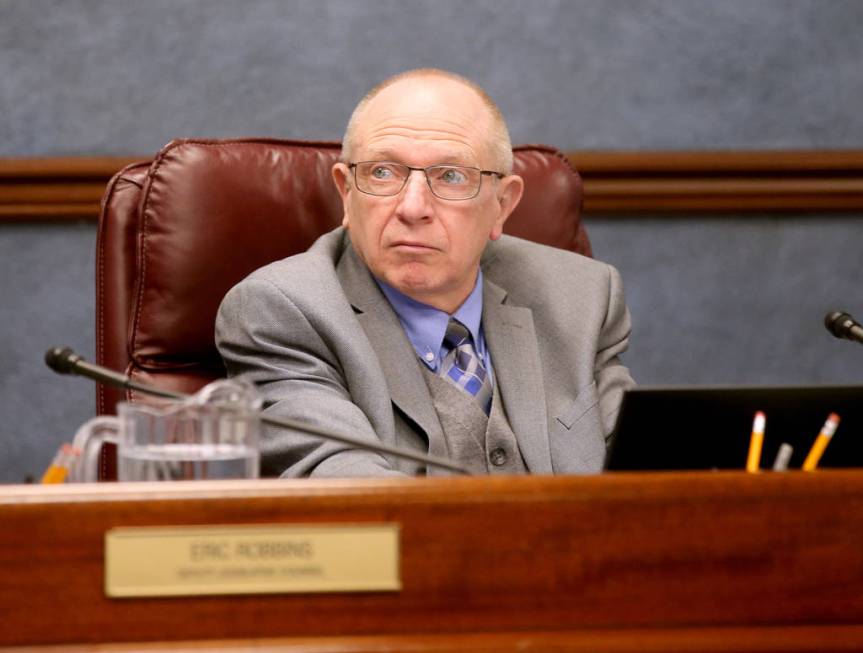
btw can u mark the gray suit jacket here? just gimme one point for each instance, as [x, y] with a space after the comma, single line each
[319, 338]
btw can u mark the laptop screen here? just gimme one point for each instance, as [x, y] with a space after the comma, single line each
[689, 428]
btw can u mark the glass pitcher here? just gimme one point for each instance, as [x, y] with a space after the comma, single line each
[213, 434]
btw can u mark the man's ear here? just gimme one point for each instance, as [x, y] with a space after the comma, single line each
[509, 192]
[342, 179]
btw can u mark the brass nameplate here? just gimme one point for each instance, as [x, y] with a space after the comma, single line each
[195, 560]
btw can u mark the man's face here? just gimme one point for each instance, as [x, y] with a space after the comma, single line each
[426, 247]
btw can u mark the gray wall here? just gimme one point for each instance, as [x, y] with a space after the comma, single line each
[714, 300]
[102, 77]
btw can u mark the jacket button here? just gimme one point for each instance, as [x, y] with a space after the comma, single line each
[497, 457]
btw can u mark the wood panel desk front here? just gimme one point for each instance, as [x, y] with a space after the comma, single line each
[620, 562]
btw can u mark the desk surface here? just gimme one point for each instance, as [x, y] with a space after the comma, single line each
[684, 561]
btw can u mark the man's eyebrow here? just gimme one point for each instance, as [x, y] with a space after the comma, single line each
[387, 155]
[382, 155]
[455, 161]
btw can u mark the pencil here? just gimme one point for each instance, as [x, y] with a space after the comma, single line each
[821, 443]
[782, 457]
[59, 467]
[753, 461]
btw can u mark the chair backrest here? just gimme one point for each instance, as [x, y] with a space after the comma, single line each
[176, 233]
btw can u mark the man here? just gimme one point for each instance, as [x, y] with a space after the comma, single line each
[417, 324]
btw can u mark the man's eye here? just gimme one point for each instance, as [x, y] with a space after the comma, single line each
[452, 176]
[382, 172]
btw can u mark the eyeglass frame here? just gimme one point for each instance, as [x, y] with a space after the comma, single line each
[353, 166]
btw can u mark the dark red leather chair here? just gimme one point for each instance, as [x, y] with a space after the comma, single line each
[177, 232]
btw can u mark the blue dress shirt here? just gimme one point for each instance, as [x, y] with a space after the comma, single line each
[425, 326]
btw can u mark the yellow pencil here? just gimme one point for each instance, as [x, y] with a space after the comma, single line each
[753, 461]
[56, 472]
[821, 443]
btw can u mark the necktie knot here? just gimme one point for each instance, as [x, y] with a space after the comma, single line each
[456, 334]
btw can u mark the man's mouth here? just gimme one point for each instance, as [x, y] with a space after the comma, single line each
[410, 245]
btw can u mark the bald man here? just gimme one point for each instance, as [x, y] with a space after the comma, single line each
[417, 323]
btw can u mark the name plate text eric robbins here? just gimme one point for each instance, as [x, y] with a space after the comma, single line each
[246, 559]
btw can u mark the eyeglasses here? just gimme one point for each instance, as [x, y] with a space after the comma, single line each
[385, 178]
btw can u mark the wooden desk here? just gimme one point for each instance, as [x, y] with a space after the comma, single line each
[620, 562]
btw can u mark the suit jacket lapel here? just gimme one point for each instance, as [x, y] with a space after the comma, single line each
[515, 358]
[406, 384]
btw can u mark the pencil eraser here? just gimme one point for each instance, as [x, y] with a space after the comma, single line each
[760, 421]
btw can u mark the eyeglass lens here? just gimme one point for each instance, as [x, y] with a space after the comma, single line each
[447, 182]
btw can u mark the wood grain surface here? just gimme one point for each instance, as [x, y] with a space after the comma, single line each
[70, 188]
[679, 558]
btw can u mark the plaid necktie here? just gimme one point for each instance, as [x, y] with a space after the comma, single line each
[462, 365]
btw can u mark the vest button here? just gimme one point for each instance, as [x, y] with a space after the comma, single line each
[497, 457]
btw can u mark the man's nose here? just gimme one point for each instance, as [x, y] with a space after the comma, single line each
[415, 202]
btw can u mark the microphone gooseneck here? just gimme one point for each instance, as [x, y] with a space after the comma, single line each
[64, 360]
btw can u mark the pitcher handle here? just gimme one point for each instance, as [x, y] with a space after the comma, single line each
[88, 442]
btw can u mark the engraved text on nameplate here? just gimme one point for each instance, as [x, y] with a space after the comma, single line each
[190, 560]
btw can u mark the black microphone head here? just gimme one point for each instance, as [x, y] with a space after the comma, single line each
[838, 323]
[61, 359]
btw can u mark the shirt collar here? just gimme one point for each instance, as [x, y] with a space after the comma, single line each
[425, 326]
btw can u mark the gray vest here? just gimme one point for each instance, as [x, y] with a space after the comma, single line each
[483, 444]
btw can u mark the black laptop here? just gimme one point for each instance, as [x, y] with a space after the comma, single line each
[698, 427]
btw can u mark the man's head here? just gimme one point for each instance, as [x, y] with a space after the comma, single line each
[415, 241]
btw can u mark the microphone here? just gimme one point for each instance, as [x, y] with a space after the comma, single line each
[64, 360]
[842, 325]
